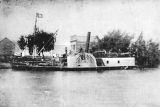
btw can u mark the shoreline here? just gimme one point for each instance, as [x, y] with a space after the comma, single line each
[5, 65]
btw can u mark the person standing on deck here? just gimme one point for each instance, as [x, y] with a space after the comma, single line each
[53, 60]
[82, 53]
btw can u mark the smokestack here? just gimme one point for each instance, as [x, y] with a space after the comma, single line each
[87, 42]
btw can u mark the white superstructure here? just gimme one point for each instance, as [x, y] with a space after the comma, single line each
[119, 61]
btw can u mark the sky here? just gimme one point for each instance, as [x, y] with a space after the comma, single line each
[77, 17]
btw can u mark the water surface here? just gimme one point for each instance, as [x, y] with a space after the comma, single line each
[116, 88]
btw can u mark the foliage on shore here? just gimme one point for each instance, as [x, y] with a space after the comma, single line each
[147, 53]
[22, 43]
[114, 41]
[42, 40]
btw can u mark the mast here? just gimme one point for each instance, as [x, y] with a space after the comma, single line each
[34, 46]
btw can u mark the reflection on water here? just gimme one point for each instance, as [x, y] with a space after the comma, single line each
[121, 88]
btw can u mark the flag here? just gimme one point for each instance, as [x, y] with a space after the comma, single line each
[39, 15]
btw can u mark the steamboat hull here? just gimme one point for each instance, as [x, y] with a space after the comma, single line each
[56, 68]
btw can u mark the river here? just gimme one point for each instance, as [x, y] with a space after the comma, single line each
[115, 88]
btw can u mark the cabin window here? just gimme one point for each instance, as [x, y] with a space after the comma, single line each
[107, 62]
[118, 61]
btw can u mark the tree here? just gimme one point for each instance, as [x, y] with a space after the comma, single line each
[30, 43]
[22, 43]
[153, 54]
[95, 44]
[147, 53]
[139, 47]
[114, 41]
[42, 40]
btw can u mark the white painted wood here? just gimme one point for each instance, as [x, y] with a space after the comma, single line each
[117, 62]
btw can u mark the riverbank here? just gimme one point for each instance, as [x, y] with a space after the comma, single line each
[5, 65]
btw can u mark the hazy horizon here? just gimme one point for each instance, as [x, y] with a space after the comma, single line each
[77, 17]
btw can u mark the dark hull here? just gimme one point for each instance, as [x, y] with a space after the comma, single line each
[56, 68]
